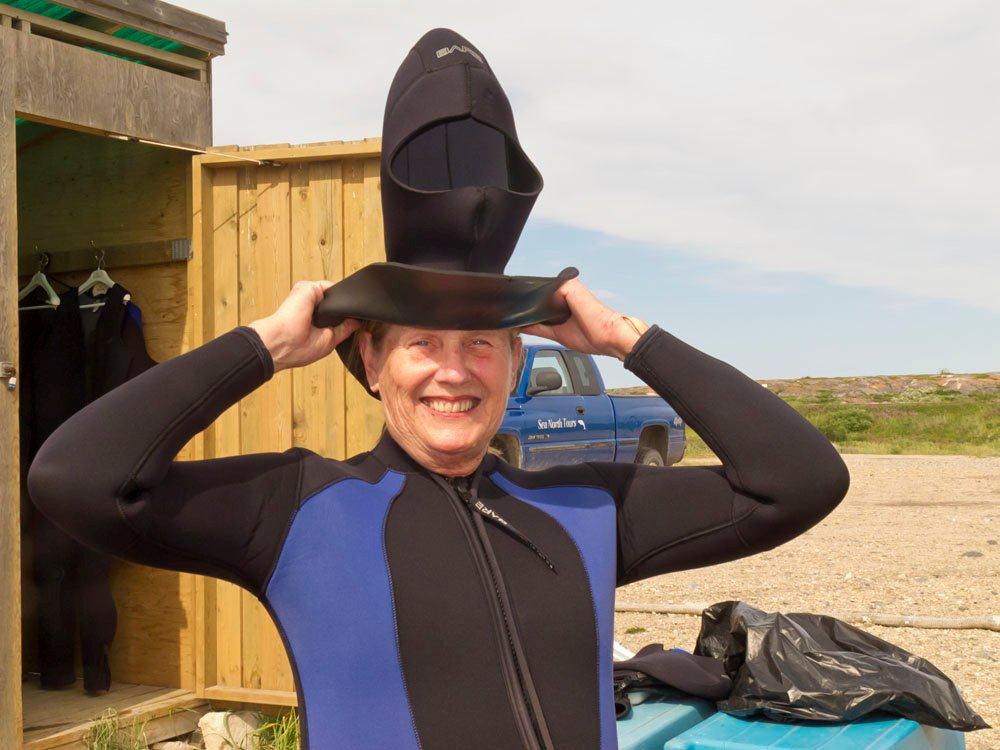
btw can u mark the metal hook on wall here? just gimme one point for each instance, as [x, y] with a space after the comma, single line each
[100, 260]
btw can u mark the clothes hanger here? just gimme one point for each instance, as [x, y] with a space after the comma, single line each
[40, 280]
[98, 277]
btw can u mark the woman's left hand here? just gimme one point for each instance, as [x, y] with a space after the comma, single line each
[593, 327]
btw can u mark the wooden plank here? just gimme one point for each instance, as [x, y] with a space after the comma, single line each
[220, 241]
[290, 154]
[10, 470]
[265, 414]
[229, 634]
[247, 695]
[374, 252]
[68, 32]
[354, 395]
[363, 244]
[193, 337]
[205, 634]
[44, 709]
[122, 256]
[318, 253]
[57, 720]
[222, 662]
[79, 189]
[204, 589]
[154, 642]
[250, 307]
[162, 19]
[61, 84]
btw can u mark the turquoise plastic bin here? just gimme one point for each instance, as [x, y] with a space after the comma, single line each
[877, 731]
[659, 718]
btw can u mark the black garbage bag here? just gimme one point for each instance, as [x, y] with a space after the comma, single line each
[798, 666]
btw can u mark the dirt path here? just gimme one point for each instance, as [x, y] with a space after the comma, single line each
[916, 535]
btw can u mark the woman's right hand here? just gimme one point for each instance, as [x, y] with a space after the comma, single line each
[290, 336]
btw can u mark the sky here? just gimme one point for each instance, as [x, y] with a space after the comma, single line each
[797, 188]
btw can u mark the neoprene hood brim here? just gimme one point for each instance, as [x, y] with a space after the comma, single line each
[457, 189]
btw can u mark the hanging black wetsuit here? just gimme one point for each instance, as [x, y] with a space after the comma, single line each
[412, 616]
[70, 357]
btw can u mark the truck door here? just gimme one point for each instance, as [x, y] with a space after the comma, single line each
[598, 416]
[553, 434]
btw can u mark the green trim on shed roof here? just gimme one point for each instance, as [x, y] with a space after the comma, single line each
[43, 8]
[68, 15]
[149, 40]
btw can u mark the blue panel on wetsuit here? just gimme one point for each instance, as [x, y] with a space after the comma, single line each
[877, 731]
[654, 721]
[588, 516]
[135, 313]
[332, 596]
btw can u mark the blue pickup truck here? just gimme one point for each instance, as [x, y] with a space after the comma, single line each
[559, 413]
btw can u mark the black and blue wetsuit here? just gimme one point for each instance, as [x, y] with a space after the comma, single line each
[420, 612]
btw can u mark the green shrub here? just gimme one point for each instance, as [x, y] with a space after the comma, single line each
[945, 392]
[110, 732]
[277, 732]
[841, 423]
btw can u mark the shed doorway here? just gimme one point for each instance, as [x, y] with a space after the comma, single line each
[81, 198]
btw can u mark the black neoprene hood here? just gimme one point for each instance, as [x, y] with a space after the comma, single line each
[457, 189]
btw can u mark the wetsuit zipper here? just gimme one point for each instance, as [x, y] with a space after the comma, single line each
[535, 738]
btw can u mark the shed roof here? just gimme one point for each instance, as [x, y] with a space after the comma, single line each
[206, 36]
[151, 23]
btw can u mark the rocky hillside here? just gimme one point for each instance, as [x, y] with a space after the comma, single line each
[877, 388]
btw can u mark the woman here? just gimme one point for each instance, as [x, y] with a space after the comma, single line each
[428, 594]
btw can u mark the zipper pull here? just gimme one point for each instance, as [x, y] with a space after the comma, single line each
[462, 488]
[499, 521]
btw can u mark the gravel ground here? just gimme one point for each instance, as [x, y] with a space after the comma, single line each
[916, 535]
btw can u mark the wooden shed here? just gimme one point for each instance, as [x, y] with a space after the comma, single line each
[105, 133]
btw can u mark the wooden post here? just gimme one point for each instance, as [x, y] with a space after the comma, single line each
[10, 453]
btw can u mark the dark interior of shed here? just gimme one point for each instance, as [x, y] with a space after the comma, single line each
[85, 199]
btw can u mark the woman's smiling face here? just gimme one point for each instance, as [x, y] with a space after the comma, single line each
[443, 392]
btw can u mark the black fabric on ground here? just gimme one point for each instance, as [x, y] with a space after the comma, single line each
[702, 676]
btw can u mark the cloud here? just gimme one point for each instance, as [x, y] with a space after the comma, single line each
[855, 141]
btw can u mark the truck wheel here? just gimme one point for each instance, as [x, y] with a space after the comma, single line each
[648, 457]
[504, 451]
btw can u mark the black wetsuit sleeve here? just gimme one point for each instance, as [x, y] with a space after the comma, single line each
[779, 474]
[107, 475]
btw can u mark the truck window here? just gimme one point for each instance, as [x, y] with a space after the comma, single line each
[583, 369]
[520, 371]
[546, 358]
